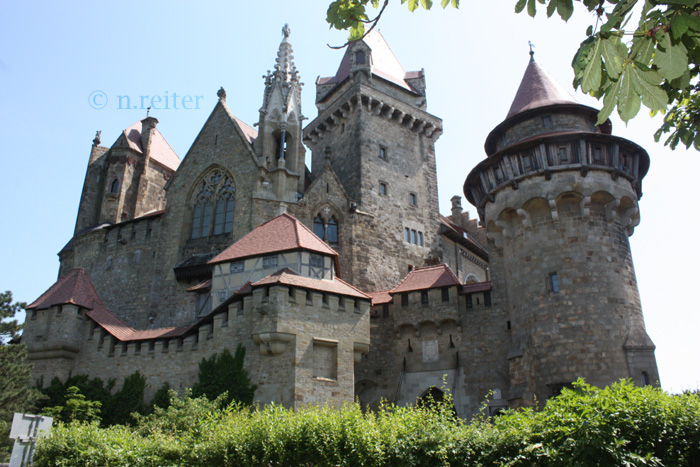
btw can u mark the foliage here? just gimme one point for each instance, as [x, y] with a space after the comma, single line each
[351, 15]
[93, 389]
[15, 393]
[161, 398]
[652, 62]
[225, 373]
[126, 401]
[77, 408]
[619, 425]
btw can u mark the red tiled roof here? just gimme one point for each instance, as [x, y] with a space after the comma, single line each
[538, 89]
[283, 233]
[477, 287]
[249, 132]
[384, 63]
[121, 331]
[427, 278]
[73, 288]
[381, 297]
[160, 149]
[288, 277]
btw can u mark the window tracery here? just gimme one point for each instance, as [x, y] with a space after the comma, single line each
[326, 226]
[212, 213]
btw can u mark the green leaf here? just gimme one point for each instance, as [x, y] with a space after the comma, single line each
[628, 101]
[565, 8]
[444, 3]
[532, 8]
[682, 82]
[427, 4]
[592, 74]
[412, 5]
[356, 32]
[609, 102]
[671, 59]
[645, 49]
[679, 26]
[614, 53]
[551, 8]
[520, 5]
[646, 84]
[455, 3]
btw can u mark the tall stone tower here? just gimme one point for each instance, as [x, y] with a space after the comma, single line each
[558, 196]
[373, 129]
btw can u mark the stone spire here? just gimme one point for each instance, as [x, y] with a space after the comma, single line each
[282, 86]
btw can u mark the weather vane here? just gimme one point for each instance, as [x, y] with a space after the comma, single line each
[532, 52]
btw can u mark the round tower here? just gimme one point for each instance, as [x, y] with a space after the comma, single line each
[558, 197]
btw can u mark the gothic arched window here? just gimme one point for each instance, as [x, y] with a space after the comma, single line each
[114, 187]
[326, 227]
[212, 213]
[360, 57]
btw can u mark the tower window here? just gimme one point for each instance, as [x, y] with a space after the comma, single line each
[382, 189]
[326, 230]
[420, 239]
[404, 299]
[645, 379]
[554, 282]
[114, 187]
[412, 199]
[547, 121]
[382, 153]
[563, 154]
[445, 294]
[238, 266]
[470, 303]
[424, 297]
[316, 261]
[407, 235]
[360, 57]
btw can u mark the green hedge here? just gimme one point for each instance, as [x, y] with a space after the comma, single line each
[619, 425]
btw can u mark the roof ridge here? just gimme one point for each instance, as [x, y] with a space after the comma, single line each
[336, 278]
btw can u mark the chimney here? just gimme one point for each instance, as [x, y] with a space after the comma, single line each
[456, 216]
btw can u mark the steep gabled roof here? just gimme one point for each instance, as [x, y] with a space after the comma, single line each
[74, 288]
[161, 151]
[459, 235]
[381, 297]
[384, 63]
[538, 89]
[283, 233]
[336, 286]
[427, 278]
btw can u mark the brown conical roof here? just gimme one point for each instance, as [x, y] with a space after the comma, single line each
[538, 89]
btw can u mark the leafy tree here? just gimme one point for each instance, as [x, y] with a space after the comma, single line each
[162, 397]
[128, 400]
[77, 408]
[15, 393]
[225, 373]
[653, 61]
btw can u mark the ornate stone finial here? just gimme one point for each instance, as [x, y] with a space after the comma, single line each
[286, 31]
[532, 52]
[221, 93]
[97, 140]
[148, 110]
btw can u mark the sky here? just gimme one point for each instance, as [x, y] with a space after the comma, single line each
[64, 66]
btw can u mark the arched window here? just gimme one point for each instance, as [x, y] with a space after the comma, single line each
[326, 227]
[114, 187]
[360, 57]
[212, 213]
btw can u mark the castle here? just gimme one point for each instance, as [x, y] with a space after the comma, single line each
[343, 281]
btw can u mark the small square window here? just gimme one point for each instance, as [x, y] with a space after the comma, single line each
[420, 239]
[270, 262]
[404, 299]
[554, 282]
[414, 237]
[316, 261]
[407, 234]
[412, 199]
[238, 266]
[470, 303]
[382, 153]
[382, 189]
[547, 121]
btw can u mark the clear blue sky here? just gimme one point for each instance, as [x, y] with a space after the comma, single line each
[54, 55]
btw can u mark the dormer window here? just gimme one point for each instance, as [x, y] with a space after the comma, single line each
[360, 57]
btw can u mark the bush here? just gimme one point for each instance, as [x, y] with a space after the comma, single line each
[225, 373]
[619, 425]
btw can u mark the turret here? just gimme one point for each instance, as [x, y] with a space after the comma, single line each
[559, 196]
